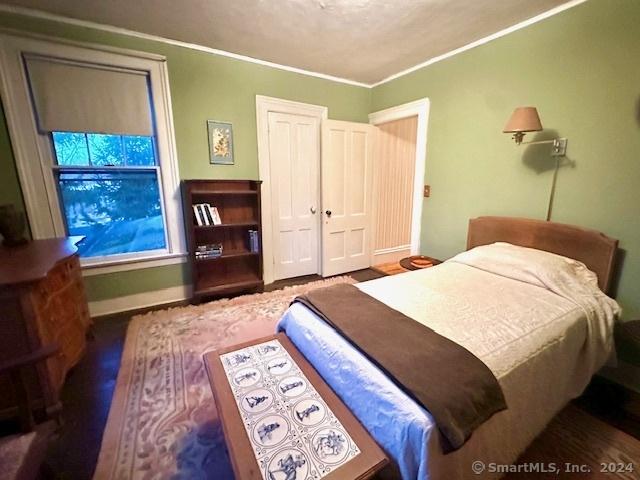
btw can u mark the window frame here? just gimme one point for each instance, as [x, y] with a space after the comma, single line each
[37, 177]
[57, 169]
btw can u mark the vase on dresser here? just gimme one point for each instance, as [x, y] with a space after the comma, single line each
[12, 225]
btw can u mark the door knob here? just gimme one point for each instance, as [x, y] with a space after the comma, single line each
[328, 212]
[312, 210]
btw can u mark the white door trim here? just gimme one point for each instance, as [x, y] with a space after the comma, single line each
[264, 105]
[421, 109]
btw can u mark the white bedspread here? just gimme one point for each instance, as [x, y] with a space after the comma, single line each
[537, 320]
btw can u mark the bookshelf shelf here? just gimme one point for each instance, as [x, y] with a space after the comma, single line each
[223, 289]
[224, 256]
[224, 192]
[238, 269]
[227, 225]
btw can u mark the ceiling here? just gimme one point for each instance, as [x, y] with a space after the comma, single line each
[361, 40]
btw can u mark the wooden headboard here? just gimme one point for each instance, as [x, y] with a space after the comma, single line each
[596, 250]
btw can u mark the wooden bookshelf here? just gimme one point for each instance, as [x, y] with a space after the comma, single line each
[238, 269]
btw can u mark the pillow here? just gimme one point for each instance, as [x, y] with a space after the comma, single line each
[563, 276]
[529, 265]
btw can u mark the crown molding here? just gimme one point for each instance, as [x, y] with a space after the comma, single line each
[39, 14]
[482, 41]
[42, 15]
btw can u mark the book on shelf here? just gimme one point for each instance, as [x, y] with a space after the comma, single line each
[200, 256]
[206, 215]
[254, 245]
[215, 215]
[206, 208]
[197, 211]
[209, 247]
[209, 251]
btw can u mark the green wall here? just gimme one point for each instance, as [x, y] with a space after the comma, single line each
[581, 69]
[10, 191]
[203, 86]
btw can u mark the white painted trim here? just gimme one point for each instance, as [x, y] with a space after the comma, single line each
[139, 300]
[482, 41]
[421, 109]
[75, 43]
[388, 255]
[33, 152]
[134, 264]
[384, 251]
[623, 373]
[264, 105]
[35, 13]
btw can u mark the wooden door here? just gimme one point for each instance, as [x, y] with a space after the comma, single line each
[294, 153]
[347, 168]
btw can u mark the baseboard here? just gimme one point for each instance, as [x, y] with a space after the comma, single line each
[625, 374]
[613, 402]
[139, 300]
[389, 255]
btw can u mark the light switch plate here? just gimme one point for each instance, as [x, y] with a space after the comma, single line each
[427, 191]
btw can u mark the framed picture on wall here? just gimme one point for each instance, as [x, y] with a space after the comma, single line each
[220, 142]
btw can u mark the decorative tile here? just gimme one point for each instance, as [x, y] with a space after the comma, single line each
[294, 434]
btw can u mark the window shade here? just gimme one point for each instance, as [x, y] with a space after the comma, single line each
[83, 97]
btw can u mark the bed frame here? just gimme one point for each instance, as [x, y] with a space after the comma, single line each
[596, 250]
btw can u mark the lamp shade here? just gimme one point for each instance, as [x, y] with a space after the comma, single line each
[523, 119]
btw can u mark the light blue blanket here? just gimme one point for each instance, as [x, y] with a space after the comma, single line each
[399, 425]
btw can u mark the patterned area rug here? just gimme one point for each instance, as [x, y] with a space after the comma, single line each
[163, 421]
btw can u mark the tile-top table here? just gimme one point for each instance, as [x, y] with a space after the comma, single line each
[281, 421]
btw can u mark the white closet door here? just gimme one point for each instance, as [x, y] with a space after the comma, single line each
[294, 146]
[347, 168]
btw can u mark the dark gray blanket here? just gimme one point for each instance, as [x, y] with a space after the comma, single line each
[456, 387]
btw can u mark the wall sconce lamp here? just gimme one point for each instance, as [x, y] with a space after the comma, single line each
[526, 119]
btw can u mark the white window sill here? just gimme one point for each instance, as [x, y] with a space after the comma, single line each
[123, 265]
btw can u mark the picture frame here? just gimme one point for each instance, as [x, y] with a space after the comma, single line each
[220, 136]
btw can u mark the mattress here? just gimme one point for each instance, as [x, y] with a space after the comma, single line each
[533, 318]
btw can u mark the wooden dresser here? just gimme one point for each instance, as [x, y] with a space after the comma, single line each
[42, 301]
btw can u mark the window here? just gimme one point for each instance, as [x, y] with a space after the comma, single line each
[109, 192]
[94, 145]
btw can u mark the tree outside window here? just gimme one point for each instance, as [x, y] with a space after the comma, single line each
[110, 192]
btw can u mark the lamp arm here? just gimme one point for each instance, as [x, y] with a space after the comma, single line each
[559, 146]
[540, 142]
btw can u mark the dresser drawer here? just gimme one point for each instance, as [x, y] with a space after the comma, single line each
[43, 302]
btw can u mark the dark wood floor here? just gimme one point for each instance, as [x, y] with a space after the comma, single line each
[87, 395]
[86, 398]
[359, 276]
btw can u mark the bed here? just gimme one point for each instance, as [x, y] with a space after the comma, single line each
[540, 322]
